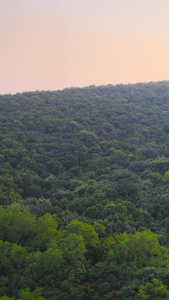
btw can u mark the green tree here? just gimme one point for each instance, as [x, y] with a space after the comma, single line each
[155, 290]
[28, 295]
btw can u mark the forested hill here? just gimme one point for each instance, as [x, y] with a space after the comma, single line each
[84, 193]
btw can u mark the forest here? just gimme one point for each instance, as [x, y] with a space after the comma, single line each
[84, 193]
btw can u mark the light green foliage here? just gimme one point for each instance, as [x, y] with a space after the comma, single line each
[27, 295]
[166, 177]
[62, 266]
[16, 225]
[139, 250]
[14, 259]
[155, 290]
[45, 232]
[87, 231]
[99, 228]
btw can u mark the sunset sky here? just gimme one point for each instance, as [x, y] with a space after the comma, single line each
[53, 44]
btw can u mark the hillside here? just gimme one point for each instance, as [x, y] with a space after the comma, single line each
[84, 193]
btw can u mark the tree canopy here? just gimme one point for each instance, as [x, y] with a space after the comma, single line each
[84, 193]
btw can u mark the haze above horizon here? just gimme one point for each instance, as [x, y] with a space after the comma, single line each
[55, 44]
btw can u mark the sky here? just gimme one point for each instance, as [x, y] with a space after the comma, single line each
[55, 44]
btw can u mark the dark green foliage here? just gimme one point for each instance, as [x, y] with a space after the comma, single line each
[84, 193]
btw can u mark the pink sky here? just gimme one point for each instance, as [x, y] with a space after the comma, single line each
[50, 45]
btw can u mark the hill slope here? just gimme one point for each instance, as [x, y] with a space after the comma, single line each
[93, 163]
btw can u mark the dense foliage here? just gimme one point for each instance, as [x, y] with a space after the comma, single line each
[84, 193]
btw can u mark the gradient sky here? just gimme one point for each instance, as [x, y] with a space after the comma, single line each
[53, 44]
